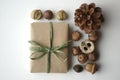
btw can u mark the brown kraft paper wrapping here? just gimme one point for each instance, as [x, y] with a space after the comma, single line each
[40, 32]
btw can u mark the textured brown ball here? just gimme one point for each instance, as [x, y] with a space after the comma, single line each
[93, 35]
[92, 57]
[82, 58]
[76, 35]
[48, 14]
[88, 17]
[75, 50]
[78, 68]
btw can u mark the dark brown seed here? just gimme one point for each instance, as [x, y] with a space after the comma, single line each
[78, 68]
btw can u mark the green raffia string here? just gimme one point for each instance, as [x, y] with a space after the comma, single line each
[45, 50]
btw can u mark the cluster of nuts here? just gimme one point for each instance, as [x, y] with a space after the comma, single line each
[85, 52]
[48, 14]
[89, 19]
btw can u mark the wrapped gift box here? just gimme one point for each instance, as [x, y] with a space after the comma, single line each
[40, 33]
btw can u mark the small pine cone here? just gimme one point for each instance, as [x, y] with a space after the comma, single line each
[88, 17]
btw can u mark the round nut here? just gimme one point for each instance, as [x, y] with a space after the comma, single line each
[82, 58]
[78, 68]
[36, 14]
[87, 46]
[92, 57]
[48, 14]
[91, 67]
[93, 35]
[76, 35]
[75, 50]
[61, 15]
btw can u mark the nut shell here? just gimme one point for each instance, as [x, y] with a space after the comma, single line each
[48, 14]
[36, 14]
[87, 46]
[76, 35]
[82, 58]
[61, 15]
[75, 50]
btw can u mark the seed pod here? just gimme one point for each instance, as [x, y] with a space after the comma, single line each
[87, 46]
[78, 68]
[87, 14]
[75, 50]
[82, 58]
[76, 35]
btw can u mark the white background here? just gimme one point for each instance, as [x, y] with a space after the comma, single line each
[15, 32]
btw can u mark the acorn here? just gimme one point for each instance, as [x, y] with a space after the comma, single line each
[91, 67]
[82, 58]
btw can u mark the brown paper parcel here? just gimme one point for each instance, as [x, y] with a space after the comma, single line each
[40, 32]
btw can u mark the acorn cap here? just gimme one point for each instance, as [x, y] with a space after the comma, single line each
[91, 67]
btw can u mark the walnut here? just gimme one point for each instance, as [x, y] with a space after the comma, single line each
[36, 14]
[61, 15]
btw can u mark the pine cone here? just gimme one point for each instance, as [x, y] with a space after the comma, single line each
[88, 17]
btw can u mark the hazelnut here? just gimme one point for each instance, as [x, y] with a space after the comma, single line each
[82, 58]
[78, 68]
[48, 14]
[75, 50]
[76, 36]
[92, 57]
[87, 46]
[36, 14]
[61, 15]
[91, 67]
[93, 35]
